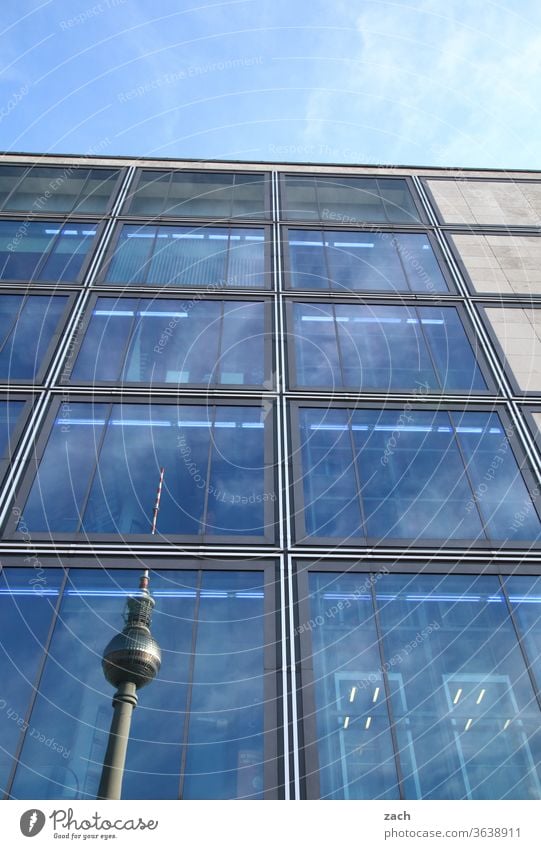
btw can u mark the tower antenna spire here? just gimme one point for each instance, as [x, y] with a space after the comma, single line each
[157, 502]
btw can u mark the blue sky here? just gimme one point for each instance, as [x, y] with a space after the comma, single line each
[434, 82]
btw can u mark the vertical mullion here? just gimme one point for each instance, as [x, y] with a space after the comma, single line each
[186, 730]
[388, 697]
[209, 463]
[356, 472]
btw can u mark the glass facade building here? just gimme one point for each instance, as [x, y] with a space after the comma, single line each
[339, 370]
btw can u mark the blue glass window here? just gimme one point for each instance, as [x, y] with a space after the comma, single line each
[348, 200]
[356, 759]
[214, 257]
[383, 347]
[172, 341]
[100, 469]
[466, 718]
[10, 412]
[412, 474]
[27, 327]
[27, 601]
[199, 194]
[44, 251]
[197, 731]
[42, 189]
[364, 262]
[525, 600]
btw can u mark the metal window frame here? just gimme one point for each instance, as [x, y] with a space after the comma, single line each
[309, 757]
[458, 305]
[209, 288]
[43, 367]
[87, 261]
[171, 170]
[31, 166]
[271, 669]
[161, 295]
[340, 175]
[33, 463]
[391, 230]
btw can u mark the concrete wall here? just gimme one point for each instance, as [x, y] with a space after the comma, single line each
[519, 333]
[486, 202]
[508, 265]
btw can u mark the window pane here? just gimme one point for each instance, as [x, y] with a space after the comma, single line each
[67, 189]
[197, 194]
[27, 600]
[173, 341]
[74, 701]
[10, 412]
[226, 497]
[242, 344]
[367, 262]
[466, 717]
[421, 475]
[413, 479]
[214, 257]
[331, 499]
[349, 200]
[56, 498]
[499, 490]
[225, 744]
[102, 352]
[27, 326]
[44, 251]
[151, 194]
[353, 737]
[525, 598]
[383, 347]
[316, 346]
[450, 349]
[237, 497]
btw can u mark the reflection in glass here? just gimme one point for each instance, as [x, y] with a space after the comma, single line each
[383, 347]
[217, 257]
[225, 754]
[27, 326]
[365, 262]
[466, 719]
[421, 475]
[44, 251]
[349, 200]
[172, 341]
[100, 469]
[199, 726]
[356, 758]
[27, 601]
[56, 189]
[9, 417]
[525, 600]
[187, 194]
